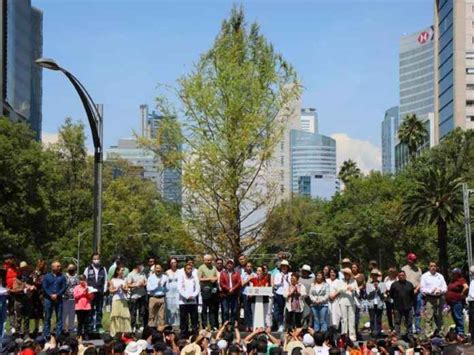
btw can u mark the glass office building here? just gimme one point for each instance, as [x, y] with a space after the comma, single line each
[389, 138]
[454, 63]
[416, 87]
[311, 154]
[22, 44]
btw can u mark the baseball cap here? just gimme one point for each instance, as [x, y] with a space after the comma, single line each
[308, 340]
[411, 257]
[456, 270]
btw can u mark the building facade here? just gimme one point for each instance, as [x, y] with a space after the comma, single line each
[21, 44]
[318, 186]
[309, 120]
[312, 154]
[389, 139]
[416, 87]
[454, 63]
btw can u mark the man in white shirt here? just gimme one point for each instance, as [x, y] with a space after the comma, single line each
[433, 287]
[281, 281]
[188, 289]
[470, 301]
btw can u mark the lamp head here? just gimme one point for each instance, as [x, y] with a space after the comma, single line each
[48, 63]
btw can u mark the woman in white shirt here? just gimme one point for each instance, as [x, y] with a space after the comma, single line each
[120, 320]
[349, 293]
[334, 306]
[388, 281]
[172, 296]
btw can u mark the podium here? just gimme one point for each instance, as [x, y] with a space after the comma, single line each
[260, 308]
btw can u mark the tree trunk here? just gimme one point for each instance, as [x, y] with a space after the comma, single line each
[443, 247]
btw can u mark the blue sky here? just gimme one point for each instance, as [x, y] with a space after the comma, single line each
[345, 51]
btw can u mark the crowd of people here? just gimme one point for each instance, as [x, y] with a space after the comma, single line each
[185, 309]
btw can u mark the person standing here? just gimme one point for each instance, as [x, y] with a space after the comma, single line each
[172, 294]
[189, 289]
[388, 281]
[82, 305]
[433, 287]
[136, 281]
[470, 301]
[156, 287]
[335, 286]
[413, 273]
[294, 295]
[11, 272]
[247, 275]
[307, 280]
[281, 281]
[21, 295]
[261, 280]
[120, 315]
[150, 266]
[230, 283]
[54, 287]
[208, 279]
[3, 302]
[319, 298]
[455, 298]
[96, 276]
[69, 313]
[376, 291]
[358, 275]
[37, 296]
[402, 292]
[349, 293]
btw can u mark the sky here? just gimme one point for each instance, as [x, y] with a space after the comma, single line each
[345, 53]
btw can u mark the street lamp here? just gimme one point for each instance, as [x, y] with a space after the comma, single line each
[94, 116]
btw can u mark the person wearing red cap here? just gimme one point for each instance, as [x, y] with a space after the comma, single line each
[413, 274]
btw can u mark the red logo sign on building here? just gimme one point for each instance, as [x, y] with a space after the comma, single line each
[423, 37]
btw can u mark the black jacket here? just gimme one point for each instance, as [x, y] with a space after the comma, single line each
[403, 295]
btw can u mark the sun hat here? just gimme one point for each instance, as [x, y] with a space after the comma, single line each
[306, 267]
[23, 264]
[308, 340]
[143, 343]
[284, 263]
[346, 270]
[191, 349]
[346, 261]
[376, 272]
[133, 348]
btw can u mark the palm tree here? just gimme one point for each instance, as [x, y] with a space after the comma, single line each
[348, 171]
[412, 132]
[435, 199]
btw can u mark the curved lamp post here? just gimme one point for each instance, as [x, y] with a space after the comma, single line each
[94, 116]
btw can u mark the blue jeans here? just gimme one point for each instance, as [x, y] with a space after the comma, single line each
[417, 311]
[279, 309]
[229, 306]
[3, 314]
[49, 308]
[458, 316]
[320, 316]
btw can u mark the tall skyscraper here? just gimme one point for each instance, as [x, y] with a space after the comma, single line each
[389, 138]
[416, 86]
[309, 120]
[21, 79]
[454, 63]
[313, 161]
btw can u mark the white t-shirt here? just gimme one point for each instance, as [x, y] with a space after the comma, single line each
[118, 284]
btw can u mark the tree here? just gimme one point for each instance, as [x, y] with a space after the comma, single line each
[435, 199]
[348, 171]
[412, 132]
[236, 100]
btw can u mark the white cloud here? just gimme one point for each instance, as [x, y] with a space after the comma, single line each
[367, 155]
[49, 138]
